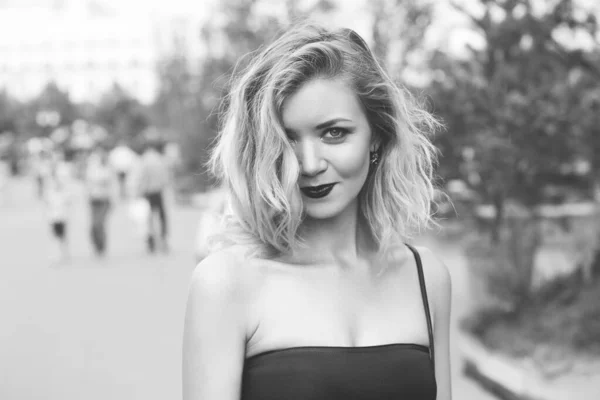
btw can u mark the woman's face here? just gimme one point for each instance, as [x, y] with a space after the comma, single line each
[332, 138]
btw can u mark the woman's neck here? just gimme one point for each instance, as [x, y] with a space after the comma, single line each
[343, 237]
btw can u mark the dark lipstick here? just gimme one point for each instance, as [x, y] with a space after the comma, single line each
[317, 192]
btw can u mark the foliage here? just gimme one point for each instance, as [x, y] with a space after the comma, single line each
[121, 115]
[8, 113]
[399, 28]
[564, 318]
[586, 98]
[517, 102]
[51, 99]
[503, 272]
[557, 320]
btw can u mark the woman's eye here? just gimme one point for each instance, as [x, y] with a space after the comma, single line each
[336, 133]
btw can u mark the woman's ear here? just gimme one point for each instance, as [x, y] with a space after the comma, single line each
[375, 144]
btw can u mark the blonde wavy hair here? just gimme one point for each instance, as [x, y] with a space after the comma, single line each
[256, 163]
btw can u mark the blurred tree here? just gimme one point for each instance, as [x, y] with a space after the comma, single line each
[172, 105]
[515, 102]
[518, 113]
[121, 115]
[51, 108]
[586, 95]
[399, 28]
[8, 113]
[301, 10]
[178, 109]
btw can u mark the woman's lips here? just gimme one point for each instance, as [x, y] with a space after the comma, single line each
[317, 192]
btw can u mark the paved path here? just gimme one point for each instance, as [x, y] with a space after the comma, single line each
[105, 329]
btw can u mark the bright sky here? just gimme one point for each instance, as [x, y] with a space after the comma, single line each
[196, 7]
[450, 30]
[351, 13]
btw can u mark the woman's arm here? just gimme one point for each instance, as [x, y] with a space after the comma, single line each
[439, 290]
[214, 331]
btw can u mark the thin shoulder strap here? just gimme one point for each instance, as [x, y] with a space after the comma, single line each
[425, 301]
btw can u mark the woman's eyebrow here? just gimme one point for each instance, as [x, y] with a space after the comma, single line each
[322, 125]
[331, 122]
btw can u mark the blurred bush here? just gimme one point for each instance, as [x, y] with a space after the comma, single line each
[502, 271]
[560, 314]
[519, 106]
[564, 315]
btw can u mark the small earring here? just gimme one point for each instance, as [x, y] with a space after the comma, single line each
[374, 157]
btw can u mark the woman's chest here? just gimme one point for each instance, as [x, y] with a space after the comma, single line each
[318, 308]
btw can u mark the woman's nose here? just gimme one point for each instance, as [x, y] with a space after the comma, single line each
[310, 158]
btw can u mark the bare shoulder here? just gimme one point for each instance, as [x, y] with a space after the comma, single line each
[216, 326]
[437, 279]
[223, 275]
[435, 270]
[218, 270]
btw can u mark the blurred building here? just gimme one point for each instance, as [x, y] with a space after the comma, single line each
[85, 47]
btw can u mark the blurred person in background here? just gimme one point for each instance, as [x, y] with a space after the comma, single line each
[42, 169]
[102, 188]
[58, 198]
[122, 159]
[62, 167]
[172, 154]
[4, 178]
[152, 179]
[311, 291]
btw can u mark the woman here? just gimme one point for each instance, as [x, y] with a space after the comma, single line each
[312, 293]
[101, 188]
[153, 178]
[58, 196]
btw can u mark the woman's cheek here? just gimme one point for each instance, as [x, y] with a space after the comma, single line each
[351, 161]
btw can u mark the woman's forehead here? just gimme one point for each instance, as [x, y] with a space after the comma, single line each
[320, 100]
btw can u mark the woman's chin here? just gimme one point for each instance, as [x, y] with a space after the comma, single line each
[327, 208]
[320, 212]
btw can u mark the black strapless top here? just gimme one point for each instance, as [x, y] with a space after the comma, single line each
[400, 371]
